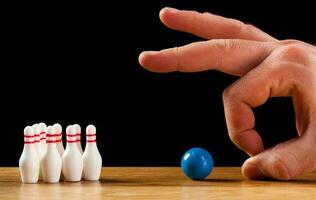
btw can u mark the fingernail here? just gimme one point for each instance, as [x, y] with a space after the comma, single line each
[148, 53]
[252, 171]
[171, 10]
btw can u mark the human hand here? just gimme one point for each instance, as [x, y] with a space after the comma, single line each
[268, 68]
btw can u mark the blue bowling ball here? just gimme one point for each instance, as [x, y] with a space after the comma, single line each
[197, 163]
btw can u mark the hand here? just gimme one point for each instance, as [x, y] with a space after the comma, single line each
[268, 68]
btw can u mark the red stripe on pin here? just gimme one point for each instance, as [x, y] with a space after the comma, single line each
[26, 142]
[53, 135]
[90, 141]
[71, 135]
[28, 136]
[41, 133]
[71, 141]
[53, 141]
[44, 138]
[88, 135]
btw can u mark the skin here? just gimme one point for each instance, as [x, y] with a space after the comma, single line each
[267, 67]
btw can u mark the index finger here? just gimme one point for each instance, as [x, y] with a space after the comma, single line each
[234, 57]
[211, 26]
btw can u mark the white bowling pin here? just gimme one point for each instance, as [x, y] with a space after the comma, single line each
[78, 133]
[29, 163]
[59, 139]
[43, 131]
[37, 146]
[37, 139]
[51, 163]
[92, 161]
[72, 163]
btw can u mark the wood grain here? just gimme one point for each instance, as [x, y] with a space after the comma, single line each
[158, 183]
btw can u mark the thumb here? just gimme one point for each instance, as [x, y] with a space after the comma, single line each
[284, 161]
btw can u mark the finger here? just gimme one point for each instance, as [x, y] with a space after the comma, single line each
[266, 80]
[230, 56]
[285, 161]
[252, 90]
[211, 26]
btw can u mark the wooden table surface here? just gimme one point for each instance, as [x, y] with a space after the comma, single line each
[144, 183]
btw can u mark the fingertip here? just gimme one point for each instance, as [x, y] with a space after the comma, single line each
[148, 60]
[251, 170]
[143, 58]
[158, 61]
[165, 13]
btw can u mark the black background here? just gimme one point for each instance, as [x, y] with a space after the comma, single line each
[77, 63]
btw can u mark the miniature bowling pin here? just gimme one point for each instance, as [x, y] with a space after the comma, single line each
[29, 163]
[37, 139]
[59, 139]
[51, 162]
[43, 127]
[72, 163]
[78, 133]
[92, 161]
[40, 154]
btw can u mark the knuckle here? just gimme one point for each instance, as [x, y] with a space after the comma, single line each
[177, 51]
[279, 168]
[284, 73]
[235, 137]
[237, 26]
[289, 41]
[225, 46]
[229, 96]
[206, 13]
[249, 28]
[279, 68]
[294, 52]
